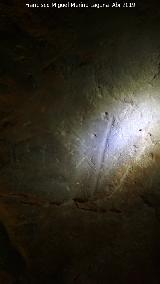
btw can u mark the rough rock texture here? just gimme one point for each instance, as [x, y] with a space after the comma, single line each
[79, 145]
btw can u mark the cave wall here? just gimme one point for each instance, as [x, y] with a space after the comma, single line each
[79, 145]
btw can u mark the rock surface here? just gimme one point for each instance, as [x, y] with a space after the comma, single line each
[79, 145]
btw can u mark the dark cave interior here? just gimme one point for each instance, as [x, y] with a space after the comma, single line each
[79, 145]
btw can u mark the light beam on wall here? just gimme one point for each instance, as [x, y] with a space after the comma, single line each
[115, 137]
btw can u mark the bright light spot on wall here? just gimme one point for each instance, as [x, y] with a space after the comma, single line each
[115, 137]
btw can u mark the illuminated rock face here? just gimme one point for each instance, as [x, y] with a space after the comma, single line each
[79, 147]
